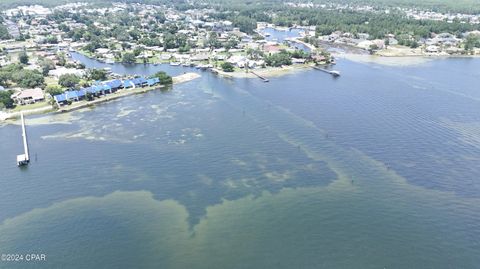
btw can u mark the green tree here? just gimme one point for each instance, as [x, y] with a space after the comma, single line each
[46, 65]
[279, 59]
[227, 67]
[68, 80]
[5, 99]
[245, 24]
[23, 57]
[372, 48]
[471, 42]
[160, 17]
[54, 89]
[164, 78]
[213, 40]
[6, 73]
[51, 39]
[137, 51]
[28, 78]
[4, 33]
[128, 58]
[97, 74]
[61, 59]
[169, 41]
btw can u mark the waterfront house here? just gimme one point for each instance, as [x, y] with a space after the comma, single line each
[71, 96]
[106, 88]
[152, 81]
[237, 60]
[99, 90]
[128, 84]
[28, 96]
[114, 84]
[81, 94]
[60, 99]
[91, 90]
[139, 82]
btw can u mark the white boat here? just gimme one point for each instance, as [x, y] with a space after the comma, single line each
[175, 63]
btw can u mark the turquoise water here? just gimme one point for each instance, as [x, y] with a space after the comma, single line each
[376, 169]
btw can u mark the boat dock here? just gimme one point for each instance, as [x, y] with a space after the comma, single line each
[334, 73]
[23, 159]
[262, 78]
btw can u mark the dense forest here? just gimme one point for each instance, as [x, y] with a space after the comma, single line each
[445, 6]
[376, 24]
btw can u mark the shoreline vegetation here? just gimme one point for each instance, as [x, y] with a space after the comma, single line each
[84, 103]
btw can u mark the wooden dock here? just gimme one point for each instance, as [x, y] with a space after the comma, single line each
[23, 159]
[334, 73]
[262, 78]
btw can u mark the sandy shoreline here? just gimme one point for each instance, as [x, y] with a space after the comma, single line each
[265, 72]
[82, 104]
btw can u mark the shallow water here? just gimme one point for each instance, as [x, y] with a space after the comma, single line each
[375, 169]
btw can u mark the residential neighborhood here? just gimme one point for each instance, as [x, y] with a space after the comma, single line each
[43, 38]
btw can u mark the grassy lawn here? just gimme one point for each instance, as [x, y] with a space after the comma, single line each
[31, 106]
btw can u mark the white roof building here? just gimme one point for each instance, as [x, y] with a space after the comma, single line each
[28, 96]
[63, 70]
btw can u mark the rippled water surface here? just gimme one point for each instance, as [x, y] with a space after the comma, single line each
[379, 168]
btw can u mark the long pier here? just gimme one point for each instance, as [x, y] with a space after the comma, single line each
[334, 73]
[262, 78]
[23, 159]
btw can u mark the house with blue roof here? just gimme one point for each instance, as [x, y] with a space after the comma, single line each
[114, 84]
[139, 82]
[60, 99]
[98, 89]
[90, 90]
[71, 95]
[152, 81]
[102, 88]
[107, 88]
[128, 84]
